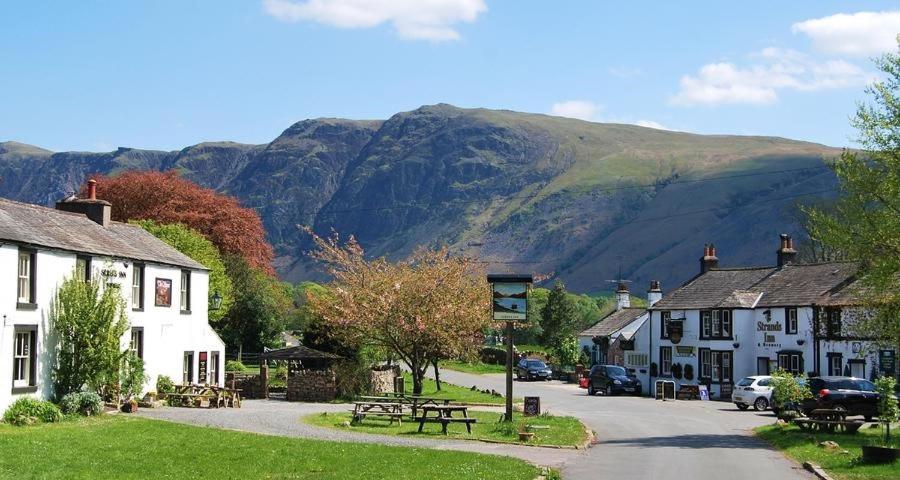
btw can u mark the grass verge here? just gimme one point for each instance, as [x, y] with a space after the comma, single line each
[804, 447]
[562, 431]
[477, 368]
[132, 448]
[456, 393]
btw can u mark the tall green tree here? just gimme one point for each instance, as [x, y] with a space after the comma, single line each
[559, 318]
[261, 305]
[193, 244]
[864, 223]
[87, 322]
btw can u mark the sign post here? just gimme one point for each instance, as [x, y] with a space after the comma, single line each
[510, 297]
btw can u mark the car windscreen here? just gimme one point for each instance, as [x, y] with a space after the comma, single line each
[745, 382]
[863, 385]
[615, 371]
[536, 364]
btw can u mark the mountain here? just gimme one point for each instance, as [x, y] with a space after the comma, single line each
[579, 200]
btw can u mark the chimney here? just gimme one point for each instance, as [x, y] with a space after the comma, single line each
[709, 260]
[100, 211]
[654, 294]
[786, 252]
[623, 300]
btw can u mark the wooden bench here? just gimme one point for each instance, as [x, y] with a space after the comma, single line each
[444, 416]
[688, 392]
[829, 426]
[360, 416]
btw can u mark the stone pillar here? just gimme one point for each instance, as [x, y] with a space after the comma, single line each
[264, 380]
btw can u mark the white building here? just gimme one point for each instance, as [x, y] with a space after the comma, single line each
[728, 323]
[165, 291]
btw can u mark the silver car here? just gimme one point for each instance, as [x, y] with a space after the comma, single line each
[755, 391]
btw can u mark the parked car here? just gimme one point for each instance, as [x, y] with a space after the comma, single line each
[755, 391]
[856, 396]
[531, 369]
[611, 380]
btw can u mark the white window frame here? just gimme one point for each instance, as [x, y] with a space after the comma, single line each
[726, 323]
[791, 327]
[137, 342]
[635, 359]
[705, 363]
[716, 324]
[137, 287]
[22, 359]
[665, 369]
[25, 270]
[212, 376]
[185, 291]
[706, 321]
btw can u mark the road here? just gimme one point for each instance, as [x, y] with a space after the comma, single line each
[641, 438]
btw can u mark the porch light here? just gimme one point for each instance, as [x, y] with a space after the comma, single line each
[800, 341]
[216, 301]
[736, 345]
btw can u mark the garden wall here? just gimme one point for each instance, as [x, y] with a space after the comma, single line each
[312, 386]
[382, 381]
[249, 384]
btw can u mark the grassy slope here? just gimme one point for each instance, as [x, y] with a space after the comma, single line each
[803, 447]
[477, 368]
[453, 392]
[563, 431]
[125, 448]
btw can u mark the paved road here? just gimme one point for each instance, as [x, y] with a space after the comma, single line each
[642, 438]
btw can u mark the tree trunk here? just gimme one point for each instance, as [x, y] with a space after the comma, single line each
[417, 375]
[241, 352]
[437, 375]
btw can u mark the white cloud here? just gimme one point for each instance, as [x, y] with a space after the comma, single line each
[580, 109]
[651, 124]
[413, 19]
[775, 69]
[863, 33]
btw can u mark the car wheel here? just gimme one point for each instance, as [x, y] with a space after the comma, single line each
[761, 404]
[590, 389]
[609, 391]
[742, 406]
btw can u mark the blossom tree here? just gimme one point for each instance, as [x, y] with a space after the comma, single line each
[429, 307]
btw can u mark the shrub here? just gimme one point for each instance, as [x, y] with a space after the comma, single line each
[29, 410]
[887, 405]
[493, 355]
[131, 375]
[235, 366]
[82, 403]
[164, 384]
[787, 391]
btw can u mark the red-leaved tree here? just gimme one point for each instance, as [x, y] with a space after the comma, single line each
[166, 197]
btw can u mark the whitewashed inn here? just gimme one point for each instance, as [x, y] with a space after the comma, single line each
[165, 291]
[728, 323]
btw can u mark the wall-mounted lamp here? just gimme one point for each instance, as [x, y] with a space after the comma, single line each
[216, 301]
[801, 341]
[736, 345]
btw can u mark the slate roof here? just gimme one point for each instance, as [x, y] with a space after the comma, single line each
[29, 224]
[298, 352]
[831, 283]
[613, 322]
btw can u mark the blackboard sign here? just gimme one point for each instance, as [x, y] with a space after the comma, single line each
[887, 362]
[669, 390]
[659, 391]
[725, 391]
[201, 366]
[532, 406]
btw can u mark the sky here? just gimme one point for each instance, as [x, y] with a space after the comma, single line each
[97, 75]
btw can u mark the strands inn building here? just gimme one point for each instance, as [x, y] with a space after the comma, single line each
[166, 293]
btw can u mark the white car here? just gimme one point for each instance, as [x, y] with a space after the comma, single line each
[755, 391]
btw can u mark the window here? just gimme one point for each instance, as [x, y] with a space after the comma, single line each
[214, 368]
[716, 324]
[187, 373]
[137, 287]
[705, 363]
[835, 364]
[790, 315]
[665, 361]
[665, 317]
[791, 362]
[185, 291]
[857, 368]
[137, 341]
[26, 283]
[83, 268]
[633, 359]
[24, 367]
[833, 325]
[721, 366]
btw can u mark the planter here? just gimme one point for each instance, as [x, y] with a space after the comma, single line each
[526, 436]
[874, 454]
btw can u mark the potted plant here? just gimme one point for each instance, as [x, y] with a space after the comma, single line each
[676, 371]
[887, 414]
[130, 405]
[688, 371]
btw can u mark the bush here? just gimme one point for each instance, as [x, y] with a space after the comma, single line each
[235, 366]
[787, 391]
[493, 355]
[82, 403]
[131, 375]
[164, 384]
[29, 410]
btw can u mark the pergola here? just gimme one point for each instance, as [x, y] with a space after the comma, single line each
[300, 357]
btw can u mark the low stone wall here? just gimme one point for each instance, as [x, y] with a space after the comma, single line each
[249, 384]
[382, 381]
[312, 386]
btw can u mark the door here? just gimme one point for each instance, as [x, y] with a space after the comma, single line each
[857, 368]
[762, 366]
[721, 367]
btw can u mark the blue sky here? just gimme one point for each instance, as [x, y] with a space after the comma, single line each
[94, 75]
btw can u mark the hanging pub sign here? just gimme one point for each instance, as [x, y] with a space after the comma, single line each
[532, 406]
[201, 368]
[163, 297]
[681, 351]
[676, 330]
[510, 296]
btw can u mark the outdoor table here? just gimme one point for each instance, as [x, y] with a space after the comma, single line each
[828, 420]
[444, 416]
[418, 401]
[392, 410]
[218, 395]
[828, 414]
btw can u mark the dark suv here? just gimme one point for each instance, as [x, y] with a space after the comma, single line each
[855, 395]
[612, 379]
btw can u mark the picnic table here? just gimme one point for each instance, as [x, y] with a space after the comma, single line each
[415, 402]
[443, 414]
[828, 420]
[391, 410]
[218, 396]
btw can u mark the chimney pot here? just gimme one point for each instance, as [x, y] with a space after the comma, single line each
[92, 189]
[709, 260]
[786, 253]
[654, 294]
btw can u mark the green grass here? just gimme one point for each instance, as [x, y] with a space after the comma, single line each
[804, 447]
[132, 448]
[453, 392]
[477, 368]
[563, 431]
[524, 347]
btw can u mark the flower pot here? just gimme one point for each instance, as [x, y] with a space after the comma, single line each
[526, 436]
[875, 454]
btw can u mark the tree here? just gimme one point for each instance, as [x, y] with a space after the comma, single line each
[194, 245]
[432, 306]
[167, 198]
[887, 405]
[864, 223]
[261, 304]
[87, 322]
[558, 319]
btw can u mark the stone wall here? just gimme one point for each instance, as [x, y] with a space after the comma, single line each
[312, 386]
[382, 381]
[249, 384]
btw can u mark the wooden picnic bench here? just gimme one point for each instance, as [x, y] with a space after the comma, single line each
[444, 416]
[391, 410]
[688, 392]
[186, 395]
[828, 420]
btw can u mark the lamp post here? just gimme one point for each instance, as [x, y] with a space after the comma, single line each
[510, 300]
[216, 301]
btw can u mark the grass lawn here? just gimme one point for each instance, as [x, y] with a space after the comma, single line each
[119, 447]
[804, 447]
[453, 392]
[563, 431]
[531, 348]
[477, 368]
